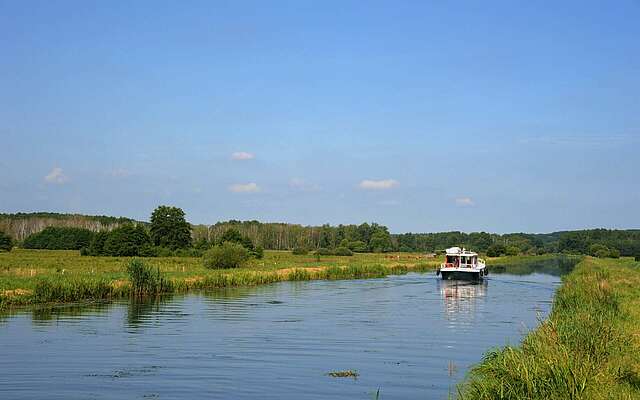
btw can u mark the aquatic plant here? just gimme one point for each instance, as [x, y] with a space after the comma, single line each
[349, 373]
[144, 280]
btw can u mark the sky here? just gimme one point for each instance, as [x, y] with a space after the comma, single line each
[424, 116]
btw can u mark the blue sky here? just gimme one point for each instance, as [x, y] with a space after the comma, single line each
[423, 116]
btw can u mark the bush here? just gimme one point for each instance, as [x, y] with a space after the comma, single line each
[59, 238]
[512, 251]
[614, 253]
[300, 251]
[258, 252]
[323, 252]
[598, 250]
[226, 255]
[6, 243]
[358, 246]
[343, 251]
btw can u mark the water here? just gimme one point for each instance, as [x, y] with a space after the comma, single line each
[410, 337]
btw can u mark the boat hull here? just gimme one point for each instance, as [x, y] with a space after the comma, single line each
[462, 275]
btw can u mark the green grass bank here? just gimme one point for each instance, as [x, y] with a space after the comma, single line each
[29, 277]
[588, 348]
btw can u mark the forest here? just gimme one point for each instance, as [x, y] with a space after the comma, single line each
[84, 232]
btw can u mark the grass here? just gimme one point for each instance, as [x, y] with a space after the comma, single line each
[60, 276]
[588, 348]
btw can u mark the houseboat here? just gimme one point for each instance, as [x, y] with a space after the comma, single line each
[462, 264]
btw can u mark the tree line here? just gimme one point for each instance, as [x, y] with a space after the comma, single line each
[168, 233]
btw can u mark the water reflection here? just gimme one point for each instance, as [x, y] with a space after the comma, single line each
[461, 297]
[556, 266]
[51, 314]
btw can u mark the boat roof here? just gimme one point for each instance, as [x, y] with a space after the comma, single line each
[457, 251]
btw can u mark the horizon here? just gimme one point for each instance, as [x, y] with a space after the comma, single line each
[423, 117]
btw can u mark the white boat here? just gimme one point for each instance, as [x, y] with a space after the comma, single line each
[462, 264]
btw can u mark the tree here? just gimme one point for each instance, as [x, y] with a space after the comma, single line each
[512, 250]
[380, 242]
[496, 250]
[127, 240]
[6, 243]
[59, 238]
[232, 235]
[226, 255]
[96, 247]
[169, 228]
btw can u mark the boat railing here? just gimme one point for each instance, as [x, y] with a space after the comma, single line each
[454, 265]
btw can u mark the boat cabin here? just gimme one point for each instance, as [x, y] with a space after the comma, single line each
[460, 258]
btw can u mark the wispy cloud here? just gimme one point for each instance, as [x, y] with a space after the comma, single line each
[56, 176]
[384, 184]
[242, 155]
[244, 188]
[465, 202]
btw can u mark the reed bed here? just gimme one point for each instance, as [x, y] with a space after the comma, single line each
[588, 348]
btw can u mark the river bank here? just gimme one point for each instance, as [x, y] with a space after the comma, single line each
[588, 348]
[29, 277]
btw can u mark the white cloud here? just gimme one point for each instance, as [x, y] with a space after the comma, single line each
[242, 155]
[465, 202]
[56, 176]
[244, 188]
[383, 184]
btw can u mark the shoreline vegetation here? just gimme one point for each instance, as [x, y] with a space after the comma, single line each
[36, 277]
[587, 348]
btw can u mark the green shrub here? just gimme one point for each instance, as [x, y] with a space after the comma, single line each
[323, 252]
[226, 255]
[59, 238]
[512, 250]
[358, 246]
[614, 253]
[144, 280]
[6, 243]
[343, 251]
[598, 250]
[300, 251]
[258, 252]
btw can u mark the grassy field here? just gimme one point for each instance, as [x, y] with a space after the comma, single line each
[41, 276]
[588, 348]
